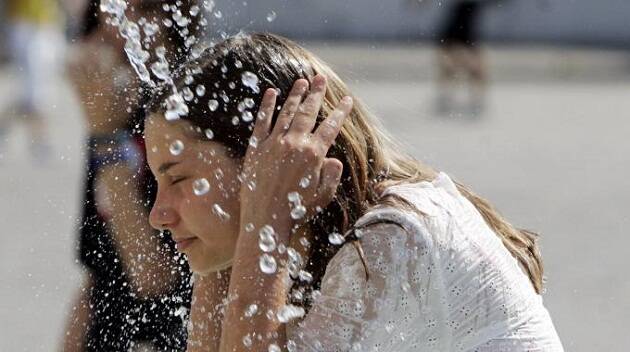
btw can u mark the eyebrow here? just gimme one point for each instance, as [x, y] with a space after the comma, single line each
[166, 166]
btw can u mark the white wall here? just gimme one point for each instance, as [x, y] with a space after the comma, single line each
[604, 22]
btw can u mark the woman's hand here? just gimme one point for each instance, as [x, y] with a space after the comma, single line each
[291, 157]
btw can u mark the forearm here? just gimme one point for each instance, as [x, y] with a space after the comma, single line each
[78, 320]
[248, 285]
[208, 311]
[147, 264]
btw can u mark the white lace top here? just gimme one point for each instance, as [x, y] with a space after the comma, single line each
[441, 282]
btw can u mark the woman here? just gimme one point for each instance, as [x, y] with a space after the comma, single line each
[136, 291]
[310, 231]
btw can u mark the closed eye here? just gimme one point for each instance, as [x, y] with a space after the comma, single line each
[177, 180]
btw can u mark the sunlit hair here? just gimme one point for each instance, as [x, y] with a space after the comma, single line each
[371, 159]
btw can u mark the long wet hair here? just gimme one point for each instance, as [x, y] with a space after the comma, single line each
[371, 160]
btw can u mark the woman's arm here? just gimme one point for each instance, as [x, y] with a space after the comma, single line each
[78, 324]
[248, 286]
[282, 156]
[207, 311]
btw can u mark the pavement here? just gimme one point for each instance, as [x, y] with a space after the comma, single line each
[551, 153]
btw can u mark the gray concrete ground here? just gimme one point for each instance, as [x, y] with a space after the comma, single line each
[552, 153]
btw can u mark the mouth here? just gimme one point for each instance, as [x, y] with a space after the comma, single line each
[183, 243]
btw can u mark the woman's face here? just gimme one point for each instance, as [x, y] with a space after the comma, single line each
[205, 226]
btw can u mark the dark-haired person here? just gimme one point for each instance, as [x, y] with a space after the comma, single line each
[460, 56]
[137, 289]
[310, 230]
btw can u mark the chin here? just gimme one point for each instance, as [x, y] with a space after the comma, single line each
[205, 269]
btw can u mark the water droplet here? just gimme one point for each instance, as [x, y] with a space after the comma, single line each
[218, 14]
[251, 185]
[218, 211]
[238, 64]
[298, 212]
[267, 264]
[175, 107]
[208, 5]
[209, 134]
[305, 276]
[266, 241]
[304, 242]
[294, 197]
[200, 90]
[167, 22]
[176, 148]
[251, 310]
[250, 80]
[253, 142]
[249, 227]
[304, 182]
[247, 341]
[336, 238]
[249, 103]
[247, 116]
[201, 186]
[213, 105]
[150, 29]
[194, 10]
[291, 346]
[188, 94]
[218, 174]
[271, 16]
[273, 348]
[289, 312]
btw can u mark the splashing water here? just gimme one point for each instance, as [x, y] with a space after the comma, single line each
[200, 90]
[305, 276]
[213, 105]
[130, 31]
[289, 312]
[271, 16]
[175, 107]
[267, 241]
[218, 211]
[336, 238]
[305, 182]
[268, 264]
[250, 80]
[298, 212]
[247, 341]
[201, 186]
[251, 310]
[176, 148]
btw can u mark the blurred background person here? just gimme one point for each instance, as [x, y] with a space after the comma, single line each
[460, 57]
[34, 46]
[136, 291]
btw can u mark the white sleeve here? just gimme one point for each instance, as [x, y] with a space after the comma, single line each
[355, 314]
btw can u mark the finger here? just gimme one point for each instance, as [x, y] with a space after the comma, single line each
[290, 107]
[307, 112]
[265, 113]
[330, 177]
[328, 130]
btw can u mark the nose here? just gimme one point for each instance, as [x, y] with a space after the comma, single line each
[163, 217]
